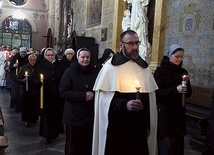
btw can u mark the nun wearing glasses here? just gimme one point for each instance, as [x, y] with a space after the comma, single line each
[51, 113]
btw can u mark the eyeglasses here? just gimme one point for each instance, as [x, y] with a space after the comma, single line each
[49, 55]
[137, 43]
[177, 56]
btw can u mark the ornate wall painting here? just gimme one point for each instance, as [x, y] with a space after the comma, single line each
[94, 13]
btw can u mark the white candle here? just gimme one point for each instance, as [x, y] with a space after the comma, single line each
[26, 79]
[8, 65]
[41, 91]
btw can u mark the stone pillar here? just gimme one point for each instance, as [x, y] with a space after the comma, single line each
[119, 7]
[158, 34]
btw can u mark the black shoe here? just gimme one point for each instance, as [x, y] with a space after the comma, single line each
[47, 142]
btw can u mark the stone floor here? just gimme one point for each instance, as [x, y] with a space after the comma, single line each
[26, 141]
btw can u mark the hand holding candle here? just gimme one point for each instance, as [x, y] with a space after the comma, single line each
[26, 80]
[41, 91]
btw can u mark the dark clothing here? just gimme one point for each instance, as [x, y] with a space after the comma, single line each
[9, 81]
[8, 74]
[171, 114]
[21, 62]
[119, 59]
[101, 61]
[127, 130]
[78, 113]
[30, 97]
[78, 140]
[210, 132]
[73, 87]
[65, 63]
[171, 145]
[15, 90]
[51, 114]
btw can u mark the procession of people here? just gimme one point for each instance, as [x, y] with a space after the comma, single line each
[114, 106]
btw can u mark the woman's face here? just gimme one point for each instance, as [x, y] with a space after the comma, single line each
[84, 58]
[69, 55]
[177, 57]
[49, 55]
[32, 61]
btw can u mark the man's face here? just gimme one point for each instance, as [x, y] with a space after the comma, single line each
[130, 46]
[23, 54]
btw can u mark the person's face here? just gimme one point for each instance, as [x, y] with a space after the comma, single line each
[32, 61]
[49, 55]
[130, 46]
[69, 55]
[84, 58]
[9, 48]
[13, 53]
[23, 54]
[177, 57]
[37, 52]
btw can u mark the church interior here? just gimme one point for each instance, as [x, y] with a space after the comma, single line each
[97, 25]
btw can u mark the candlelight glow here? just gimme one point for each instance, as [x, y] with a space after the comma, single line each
[185, 77]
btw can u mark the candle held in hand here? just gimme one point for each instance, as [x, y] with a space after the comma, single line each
[41, 91]
[26, 80]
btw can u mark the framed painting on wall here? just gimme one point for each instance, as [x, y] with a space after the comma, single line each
[94, 12]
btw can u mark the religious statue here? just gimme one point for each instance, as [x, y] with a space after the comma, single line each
[128, 1]
[69, 29]
[141, 27]
[126, 22]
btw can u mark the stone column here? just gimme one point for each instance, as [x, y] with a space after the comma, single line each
[158, 34]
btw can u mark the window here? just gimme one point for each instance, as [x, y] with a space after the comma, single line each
[16, 32]
[18, 2]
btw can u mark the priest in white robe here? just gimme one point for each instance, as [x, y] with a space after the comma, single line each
[125, 121]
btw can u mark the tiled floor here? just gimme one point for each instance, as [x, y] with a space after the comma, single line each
[26, 141]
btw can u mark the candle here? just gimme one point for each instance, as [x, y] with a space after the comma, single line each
[8, 65]
[41, 91]
[26, 79]
[184, 82]
[138, 92]
[17, 61]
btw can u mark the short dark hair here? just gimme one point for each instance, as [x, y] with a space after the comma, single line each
[131, 32]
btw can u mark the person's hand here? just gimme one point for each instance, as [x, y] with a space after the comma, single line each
[181, 89]
[15, 65]
[134, 105]
[89, 96]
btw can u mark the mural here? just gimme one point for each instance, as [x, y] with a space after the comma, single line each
[94, 12]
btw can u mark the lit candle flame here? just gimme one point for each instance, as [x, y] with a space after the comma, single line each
[185, 77]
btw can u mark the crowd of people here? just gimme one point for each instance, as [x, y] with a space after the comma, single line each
[115, 106]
